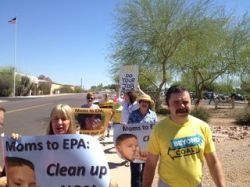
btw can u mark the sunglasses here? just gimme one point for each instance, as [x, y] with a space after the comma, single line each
[90, 98]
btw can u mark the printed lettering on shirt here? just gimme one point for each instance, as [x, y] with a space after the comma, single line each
[176, 153]
[186, 141]
[185, 146]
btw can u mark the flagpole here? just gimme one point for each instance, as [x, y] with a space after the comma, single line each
[15, 47]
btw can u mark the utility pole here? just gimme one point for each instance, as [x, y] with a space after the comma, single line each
[14, 22]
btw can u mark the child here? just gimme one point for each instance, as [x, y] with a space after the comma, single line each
[127, 146]
[20, 172]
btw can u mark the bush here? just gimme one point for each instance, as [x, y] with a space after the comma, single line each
[66, 89]
[201, 113]
[162, 111]
[243, 117]
[44, 88]
[78, 90]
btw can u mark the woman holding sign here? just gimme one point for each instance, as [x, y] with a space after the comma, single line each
[128, 103]
[62, 120]
[143, 115]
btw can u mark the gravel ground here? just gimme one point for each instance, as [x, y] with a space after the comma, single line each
[234, 156]
[233, 148]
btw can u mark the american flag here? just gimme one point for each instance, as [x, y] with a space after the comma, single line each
[12, 21]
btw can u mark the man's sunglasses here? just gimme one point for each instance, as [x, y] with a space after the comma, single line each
[90, 98]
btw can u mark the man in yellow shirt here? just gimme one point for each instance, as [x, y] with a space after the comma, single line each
[181, 143]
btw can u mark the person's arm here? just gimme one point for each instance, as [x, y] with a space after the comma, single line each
[149, 170]
[215, 169]
[120, 100]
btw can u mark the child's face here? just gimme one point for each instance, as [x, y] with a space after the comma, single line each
[21, 176]
[127, 148]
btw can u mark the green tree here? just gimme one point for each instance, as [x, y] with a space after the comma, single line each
[66, 89]
[225, 88]
[24, 85]
[150, 32]
[6, 81]
[96, 88]
[244, 72]
[78, 89]
[245, 86]
[44, 88]
[214, 52]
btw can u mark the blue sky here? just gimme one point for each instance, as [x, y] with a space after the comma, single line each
[66, 40]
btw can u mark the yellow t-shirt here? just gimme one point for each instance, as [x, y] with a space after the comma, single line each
[117, 114]
[181, 150]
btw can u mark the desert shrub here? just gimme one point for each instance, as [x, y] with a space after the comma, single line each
[162, 111]
[44, 88]
[201, 113]
[243, 117]
[66, 89]
[78, 90]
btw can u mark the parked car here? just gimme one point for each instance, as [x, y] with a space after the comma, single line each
[207, 95]
[238, 96]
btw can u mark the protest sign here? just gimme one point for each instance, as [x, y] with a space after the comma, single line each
[129, 77]
[92, 121]
[131, 140]
[57, 160]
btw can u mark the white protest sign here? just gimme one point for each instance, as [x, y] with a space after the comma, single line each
[60, 160]
[129, 77]
[122, 133]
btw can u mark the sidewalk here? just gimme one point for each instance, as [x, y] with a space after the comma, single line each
[118, 171]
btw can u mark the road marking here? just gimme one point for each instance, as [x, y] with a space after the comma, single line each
[27, 108]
